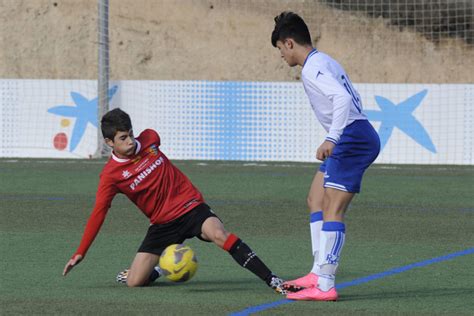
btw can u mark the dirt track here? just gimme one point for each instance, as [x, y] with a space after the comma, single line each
[212, 40]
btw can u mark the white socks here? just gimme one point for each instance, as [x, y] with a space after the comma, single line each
[316, 224]
[331, 242]
[327, 240]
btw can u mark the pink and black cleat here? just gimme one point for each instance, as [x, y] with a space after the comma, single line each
[313, 294]
[307, 281]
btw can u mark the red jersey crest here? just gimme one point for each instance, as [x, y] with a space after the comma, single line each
[153, 150]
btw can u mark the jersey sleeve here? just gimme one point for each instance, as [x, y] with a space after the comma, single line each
[104, 196]
[341, 100]
[153, 135]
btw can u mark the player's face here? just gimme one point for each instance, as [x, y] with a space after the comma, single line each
[123, 144]
[287, 51]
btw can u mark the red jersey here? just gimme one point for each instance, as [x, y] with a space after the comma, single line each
[159, 189]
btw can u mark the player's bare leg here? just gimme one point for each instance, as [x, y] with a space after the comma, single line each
[213, 230]
[336, 202]
[332, 240]
[141, 269]
[315, 202]
[316, 193]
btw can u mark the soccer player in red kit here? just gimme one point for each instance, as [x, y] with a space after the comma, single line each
[176, 209]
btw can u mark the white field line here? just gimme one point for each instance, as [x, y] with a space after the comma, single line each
[240, 164]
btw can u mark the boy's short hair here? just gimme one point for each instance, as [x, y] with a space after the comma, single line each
[115, 121]
[290, 25]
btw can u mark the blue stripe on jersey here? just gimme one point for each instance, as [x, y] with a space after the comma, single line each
[355, 99]
[311, 53]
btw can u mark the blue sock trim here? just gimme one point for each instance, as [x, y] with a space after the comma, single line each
[334, 227]
[316, 217]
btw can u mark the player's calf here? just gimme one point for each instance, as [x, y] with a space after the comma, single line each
[123, 277]
[246, 258]
[213, 230]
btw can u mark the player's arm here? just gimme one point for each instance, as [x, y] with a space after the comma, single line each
[72, 263]
[325, 150]
[154, 136]
[341, 101]
[105, 194]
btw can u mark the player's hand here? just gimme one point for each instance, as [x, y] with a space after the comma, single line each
[325, 150]
[72, 263]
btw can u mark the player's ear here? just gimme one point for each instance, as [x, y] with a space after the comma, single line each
[289, 43]
[109, 142]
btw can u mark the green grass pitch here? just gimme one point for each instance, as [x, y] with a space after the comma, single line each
[404, 214]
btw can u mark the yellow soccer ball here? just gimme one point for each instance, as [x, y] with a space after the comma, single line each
[178, 263]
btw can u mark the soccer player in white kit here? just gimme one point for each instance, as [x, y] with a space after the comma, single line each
[350, 146]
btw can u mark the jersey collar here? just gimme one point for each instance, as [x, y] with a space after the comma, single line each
[137, 150]
[311, 53]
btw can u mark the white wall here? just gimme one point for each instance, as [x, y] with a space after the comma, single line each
[256, 121]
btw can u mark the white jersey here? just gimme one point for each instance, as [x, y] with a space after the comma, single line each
[333, 98]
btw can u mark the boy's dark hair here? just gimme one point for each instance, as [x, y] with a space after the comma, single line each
[290, 25]
[115, 121]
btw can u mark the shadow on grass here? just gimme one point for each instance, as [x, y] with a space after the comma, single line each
[194, 286]
[415, 294]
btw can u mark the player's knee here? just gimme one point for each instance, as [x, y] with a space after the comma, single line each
[219, 236]
[131, 283]
[135, 282]
[309, 202]
[314, 203]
